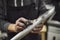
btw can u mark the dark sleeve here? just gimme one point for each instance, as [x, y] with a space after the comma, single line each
[42, 9]
[3, 23]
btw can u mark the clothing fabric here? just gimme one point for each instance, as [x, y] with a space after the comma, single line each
[9, 13]
[56, 3]
[27, 12]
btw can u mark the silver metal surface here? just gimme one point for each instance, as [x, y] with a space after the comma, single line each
[53, 31]
[53, 23]
[3, 35]
[40, 19]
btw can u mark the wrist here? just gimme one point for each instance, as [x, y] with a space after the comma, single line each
[12, 28]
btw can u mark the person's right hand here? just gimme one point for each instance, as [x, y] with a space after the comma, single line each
[18, 26]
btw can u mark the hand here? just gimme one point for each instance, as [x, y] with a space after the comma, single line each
[18, 26]
[37, 29]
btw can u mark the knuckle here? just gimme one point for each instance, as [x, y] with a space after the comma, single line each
[21, 18]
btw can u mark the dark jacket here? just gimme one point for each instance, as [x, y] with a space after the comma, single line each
[3, 12]
[8, 13]
[56, 3]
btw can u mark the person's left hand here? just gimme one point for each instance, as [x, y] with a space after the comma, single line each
[37, 28]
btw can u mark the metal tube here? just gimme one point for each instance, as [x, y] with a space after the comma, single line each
[40, 19]
[53, 23]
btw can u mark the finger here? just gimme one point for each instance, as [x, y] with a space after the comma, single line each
[39, 26]
[19, 28]
[34, 32]
[36, 29]
[22, 20]
[27, 22]
[20, 24]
